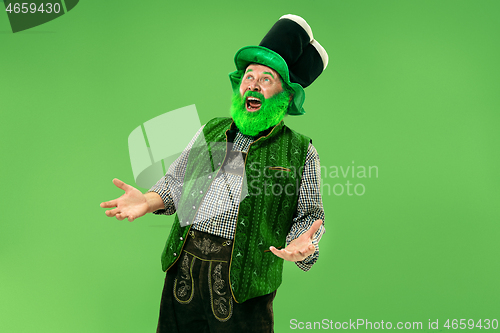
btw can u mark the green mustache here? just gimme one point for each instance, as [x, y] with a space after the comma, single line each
[257, 94]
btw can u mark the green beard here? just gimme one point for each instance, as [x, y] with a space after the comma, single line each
[271, 112]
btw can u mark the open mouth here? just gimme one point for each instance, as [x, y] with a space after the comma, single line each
[252, 104]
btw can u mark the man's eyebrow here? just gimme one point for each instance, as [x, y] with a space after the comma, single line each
[269, 74]
[248, 70]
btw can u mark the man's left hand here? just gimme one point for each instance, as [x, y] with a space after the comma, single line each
[301, 247]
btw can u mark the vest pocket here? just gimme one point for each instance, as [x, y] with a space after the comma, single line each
[279, 168]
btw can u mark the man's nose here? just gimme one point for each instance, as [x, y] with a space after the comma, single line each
[254, 87]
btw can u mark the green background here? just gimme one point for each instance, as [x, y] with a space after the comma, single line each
[412, 87]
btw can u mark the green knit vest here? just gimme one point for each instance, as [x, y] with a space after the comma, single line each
[273, 168]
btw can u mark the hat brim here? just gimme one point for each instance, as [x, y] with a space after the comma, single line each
[264, 56]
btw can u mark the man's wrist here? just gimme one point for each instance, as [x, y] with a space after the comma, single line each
[154, 201]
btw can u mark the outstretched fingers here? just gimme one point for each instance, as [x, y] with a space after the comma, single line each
[131, 205]
[109, 204]
[112, 212]
[293, 255]
[114, 203]
[279, 253]
[120, 184]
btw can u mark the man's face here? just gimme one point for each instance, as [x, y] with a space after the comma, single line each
[261, 79]
[261, 102]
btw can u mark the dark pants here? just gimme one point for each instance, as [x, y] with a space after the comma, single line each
[197, 297]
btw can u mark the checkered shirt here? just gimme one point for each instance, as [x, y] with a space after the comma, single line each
[218, 211]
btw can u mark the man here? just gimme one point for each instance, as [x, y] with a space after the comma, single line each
[244, 188]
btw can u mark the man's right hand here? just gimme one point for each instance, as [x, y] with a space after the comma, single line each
[132, 204]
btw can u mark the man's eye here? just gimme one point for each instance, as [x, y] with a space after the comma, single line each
[266, 79]
[249, 77]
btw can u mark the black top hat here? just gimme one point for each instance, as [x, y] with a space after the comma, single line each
[290, 49]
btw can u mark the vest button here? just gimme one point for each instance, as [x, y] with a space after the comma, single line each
[181, 238]
[194, 207]
[175, 254]
[210, 177]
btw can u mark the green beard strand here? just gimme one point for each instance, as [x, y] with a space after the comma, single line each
[271, 112]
